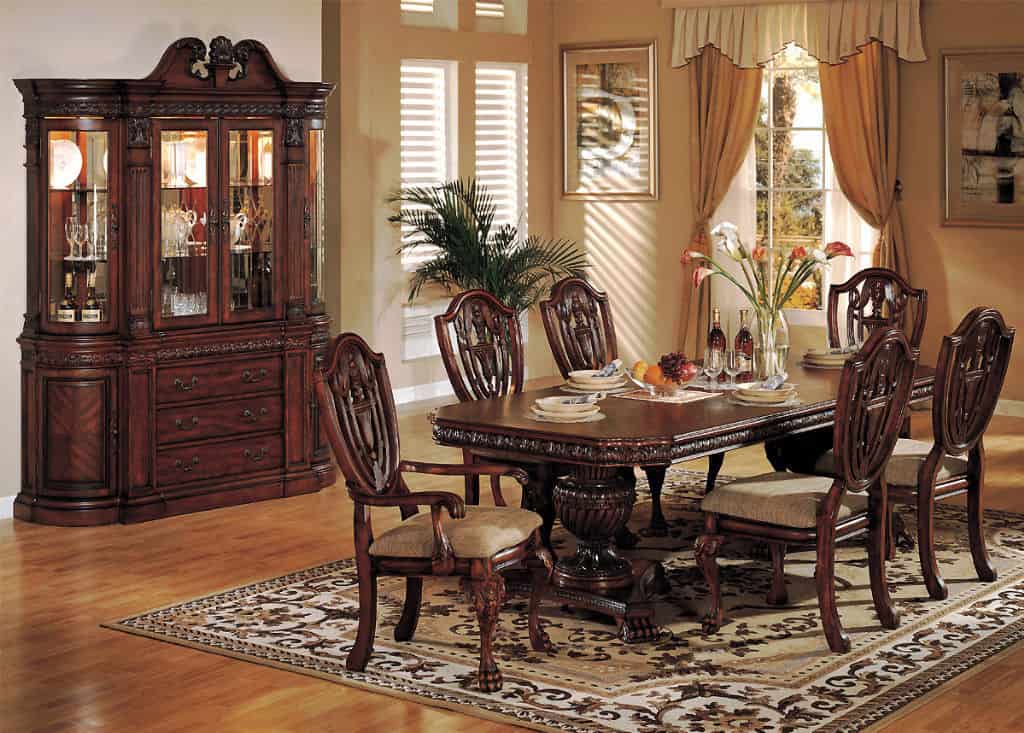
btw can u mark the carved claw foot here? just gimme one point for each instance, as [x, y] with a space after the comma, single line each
[710, 625]
[658, 527]
[905, 541]
[489, 678]
[541, 642]
[625, 539]
[637, 630]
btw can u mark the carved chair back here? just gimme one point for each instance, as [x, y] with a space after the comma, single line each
[358, 411]
[486, 358]
[875, 298]
[579, 326]
[873, 396]
[969, 376]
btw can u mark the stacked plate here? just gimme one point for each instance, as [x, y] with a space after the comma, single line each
[588, 380]
[566, 409]
[826, 358]
[752, 393]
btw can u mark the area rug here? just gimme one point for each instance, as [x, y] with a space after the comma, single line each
[767, 670]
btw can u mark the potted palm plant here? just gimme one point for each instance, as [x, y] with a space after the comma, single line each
[456, 218]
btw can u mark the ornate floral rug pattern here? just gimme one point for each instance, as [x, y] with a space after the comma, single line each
[767, 670]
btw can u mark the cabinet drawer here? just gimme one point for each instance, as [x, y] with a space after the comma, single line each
[242, 455]
[186, 382]
[247, 415]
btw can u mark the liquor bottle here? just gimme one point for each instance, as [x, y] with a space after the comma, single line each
[744, 344]
[716, 337]
[67, 307]
[91, 311]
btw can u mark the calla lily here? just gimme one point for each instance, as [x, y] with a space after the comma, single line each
[729, 241]
[798, 253]
[760, 254]
[689, 255]
[700, 274]
[838, 249]
[726, 229]
[818, 255]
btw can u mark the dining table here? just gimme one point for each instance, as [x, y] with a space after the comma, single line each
[594, 493]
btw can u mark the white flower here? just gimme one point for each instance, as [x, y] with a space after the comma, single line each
[819, 255]
[729, 240]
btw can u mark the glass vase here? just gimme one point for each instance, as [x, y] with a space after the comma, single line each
[772, 345]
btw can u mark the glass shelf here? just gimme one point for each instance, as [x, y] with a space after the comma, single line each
[184, 205]
[250, 220]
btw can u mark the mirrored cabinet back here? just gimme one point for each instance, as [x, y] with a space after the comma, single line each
[175, 288]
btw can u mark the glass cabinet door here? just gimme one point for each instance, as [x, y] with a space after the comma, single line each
[249, 230]
[79, 277]
[185, 224]
[315, 218]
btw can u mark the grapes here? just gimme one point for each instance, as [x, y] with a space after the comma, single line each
[673, 366]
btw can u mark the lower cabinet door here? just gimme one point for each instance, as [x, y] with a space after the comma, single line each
[239, 455]
[79, 432]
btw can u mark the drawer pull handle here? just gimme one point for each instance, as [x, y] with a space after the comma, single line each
[255, 456]
[249, 377]
[180, 464]
[183, 425]
[249, 416]
[182, 387]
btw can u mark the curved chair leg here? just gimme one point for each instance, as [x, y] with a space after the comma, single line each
[705, 552]
[825, 581]
[496, 491]
[878, 507]
[539, 639]
[363, 648]
[777, 595]
[410, 610]
[488, 596]
[715, 461]
[976, 530]
[472, 483]
[926, 543]
[658, 527]
[544, 504]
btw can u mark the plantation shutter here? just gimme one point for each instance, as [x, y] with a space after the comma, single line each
[427, 144]
[490, 8]
[501, 139]
[417, 6]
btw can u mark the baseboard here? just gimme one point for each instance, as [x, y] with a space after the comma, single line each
[1010, 408]
[6, 507]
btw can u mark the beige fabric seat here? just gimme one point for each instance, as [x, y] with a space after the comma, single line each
[905, 463]
[483, 532]
[780, 498]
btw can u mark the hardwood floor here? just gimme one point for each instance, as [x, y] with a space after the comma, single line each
[60, 671]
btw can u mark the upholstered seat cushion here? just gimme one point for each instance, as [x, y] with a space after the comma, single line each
[781, 498]
[483, 532]
[905, 463]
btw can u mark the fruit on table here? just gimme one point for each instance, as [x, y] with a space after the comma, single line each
[654, 376]
[640, 369]
[676, 367]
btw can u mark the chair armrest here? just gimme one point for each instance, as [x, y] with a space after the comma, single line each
[442, 558]
[494, 470]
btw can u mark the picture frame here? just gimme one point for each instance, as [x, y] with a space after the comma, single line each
[983, 137]
[610, 121]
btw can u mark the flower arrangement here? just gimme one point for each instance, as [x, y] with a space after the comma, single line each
[767, 288]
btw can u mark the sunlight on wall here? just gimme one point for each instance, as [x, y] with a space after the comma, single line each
[620, 241]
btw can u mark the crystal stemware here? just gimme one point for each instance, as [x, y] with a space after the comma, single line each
[713, 363]
[733, 366]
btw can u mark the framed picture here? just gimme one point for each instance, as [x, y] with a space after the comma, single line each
[610, 121]
[984, 137]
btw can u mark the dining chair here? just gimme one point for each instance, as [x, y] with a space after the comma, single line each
[969, 377]
[874, 298]
[476, 544]
[581, 333]
[784, 509]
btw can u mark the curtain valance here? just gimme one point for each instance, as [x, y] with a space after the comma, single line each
[829, 30]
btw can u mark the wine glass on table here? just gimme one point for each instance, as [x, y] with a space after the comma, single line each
[733, 365]
[713, 364]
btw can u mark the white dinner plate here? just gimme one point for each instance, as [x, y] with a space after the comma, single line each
[536, 414]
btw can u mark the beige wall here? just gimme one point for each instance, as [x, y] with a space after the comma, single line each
[47, 38]
[371, 285]
[961, 267]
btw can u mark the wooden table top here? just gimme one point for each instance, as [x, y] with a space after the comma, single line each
[638, 432]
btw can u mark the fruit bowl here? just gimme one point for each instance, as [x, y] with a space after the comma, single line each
[672, 374]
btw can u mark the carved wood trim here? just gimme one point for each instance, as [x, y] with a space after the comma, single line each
[138, 132]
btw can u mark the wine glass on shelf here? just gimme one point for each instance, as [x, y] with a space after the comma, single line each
[733, 365]
[73, 232]
[713, 364]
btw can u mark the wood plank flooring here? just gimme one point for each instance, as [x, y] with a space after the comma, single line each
[59, 671]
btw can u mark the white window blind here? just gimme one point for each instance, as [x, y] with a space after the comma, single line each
[490, 8]
[417, 6]
[501, 139]
[428, 142]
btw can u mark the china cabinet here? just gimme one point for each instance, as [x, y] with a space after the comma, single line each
[175, 288]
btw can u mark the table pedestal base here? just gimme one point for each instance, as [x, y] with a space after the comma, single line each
[594, 504]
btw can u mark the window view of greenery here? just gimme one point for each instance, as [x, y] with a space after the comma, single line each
[790, 149]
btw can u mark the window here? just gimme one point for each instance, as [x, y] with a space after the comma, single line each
[501, 139]
[798, 201]
[428, 139]
[501, 16]
[430, 13]
[490, 9]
